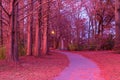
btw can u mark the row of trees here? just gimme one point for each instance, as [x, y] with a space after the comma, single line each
[24, 23]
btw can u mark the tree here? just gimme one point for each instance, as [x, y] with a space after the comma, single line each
[30, 27]
[1, 26]
[45, 27]
[117, 20]
[13, 23]
[38, 31]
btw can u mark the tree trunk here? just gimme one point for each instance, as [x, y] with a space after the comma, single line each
[1, 29]
[13, 46]
[29, 40]
[44, 46]
[16, 34]
[48, 25]
[117, 20]
[45, 27]
[38, 33]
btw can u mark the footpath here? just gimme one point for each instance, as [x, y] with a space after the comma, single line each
[80, 68]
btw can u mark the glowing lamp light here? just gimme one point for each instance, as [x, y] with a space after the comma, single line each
[52, 32]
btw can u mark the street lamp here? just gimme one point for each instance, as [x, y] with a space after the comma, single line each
[54, 43]
[52, 32]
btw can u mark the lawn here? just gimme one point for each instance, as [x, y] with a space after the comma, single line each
[31, 68]
[108, 61]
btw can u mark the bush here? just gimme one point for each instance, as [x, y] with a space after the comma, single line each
[72, 47]
[21, 50]
[92, 47]
[108, 43]
[76, 47]
[82, 47]
[105, 42]
[2, 53]
[116, 49]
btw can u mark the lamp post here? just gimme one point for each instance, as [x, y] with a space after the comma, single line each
[62, 43]
[53, 33]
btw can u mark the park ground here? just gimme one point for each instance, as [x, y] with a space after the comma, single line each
[108, 62]
[50, 66]
[32, 68]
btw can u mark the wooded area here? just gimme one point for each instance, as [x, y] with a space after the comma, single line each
[32, 27]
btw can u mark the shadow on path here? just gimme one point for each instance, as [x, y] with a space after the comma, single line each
[80, 68]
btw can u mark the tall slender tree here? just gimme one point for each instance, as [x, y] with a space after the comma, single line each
[29, 40]
[117, 20]
[45, 26]
[38, 31]
[1, 26]
[13, 17]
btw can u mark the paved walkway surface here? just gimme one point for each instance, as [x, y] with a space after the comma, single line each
[80, 68]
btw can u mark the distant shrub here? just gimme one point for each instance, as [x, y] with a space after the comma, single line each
[92, 47]
[108, 43]
[76, 47]
[80, 47]
[72, 47]
[21, 50]
[2, 52]
[105, 42]
[116, 49]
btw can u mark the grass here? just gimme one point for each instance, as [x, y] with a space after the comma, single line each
[2, 53]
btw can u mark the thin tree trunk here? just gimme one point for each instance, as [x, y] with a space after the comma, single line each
[38, 32]
[117, 20]
[44, 46]
[1, 29]
[89, 32]
[13, 46]
[48, 25]
[45, 28]
[29, 41]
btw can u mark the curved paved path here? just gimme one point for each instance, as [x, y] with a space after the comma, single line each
[80, 68]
